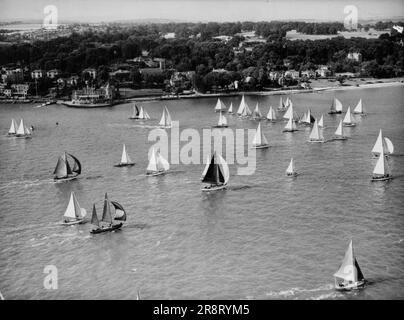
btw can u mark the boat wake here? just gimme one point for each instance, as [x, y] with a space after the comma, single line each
[238, 188]
[295, 292]
[140, 226]
[25, 183]
[93, 177]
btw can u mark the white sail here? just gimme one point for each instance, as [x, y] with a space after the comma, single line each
[220, 105]
[152, 162]
[348, 117]
[259, 138]
[146, 115]
[21, 128]
[163, 118]
[281, 104]
[124, 158]
[291, 167]
[141, 113]
[162, 163]
[12, 127]
[271, 114]
[225, 168]
[73, 209]
[380, 168]
[379, 145]
[257, 113]
[134, 115]
[242, 106]
[246, 111]
[222, 120]
[321, 122]
[359, 107]
[308, 117]
[389, 145]
[315, 134]
[348, 271]
[340, 131]
[230, 108]
[290, 126]
[168, 117]
[289, 113]
[338, 105]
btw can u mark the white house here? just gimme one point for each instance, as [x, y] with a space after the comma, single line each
[37, 74]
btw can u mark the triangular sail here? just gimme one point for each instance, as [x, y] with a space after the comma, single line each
[27, 131]
[124, 158]
[141, 113]
[246, 111]
[315, 132]
[257, 113]
[168, 117]
[389, 145]
[71, 207]
[213, 174]
[289, 113]
[348, 271]
[162, 163]
[222, 120]
[281, 104]
[321, 122]
[20, 130]
[94, 218]
[290, 125]
[359, 107]
[152, 167]
[76, 166]
[12, 127]
[380, 144]
[381, 167]
[230, 108]
[259, 138]
[220, 105]
[242, 106]
[120, 213]
[291, 167]
[271, 114]
[348, 117]
[338, 105]
[146, 115]
[163, 118]
[340, 131]
[106, 211]
[61, 167]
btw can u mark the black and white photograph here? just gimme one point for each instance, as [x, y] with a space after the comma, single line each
[201, 150]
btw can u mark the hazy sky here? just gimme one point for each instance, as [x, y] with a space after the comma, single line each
[200, 10]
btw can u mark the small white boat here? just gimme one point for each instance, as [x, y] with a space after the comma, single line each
[321, 122]
[316, 134]
[222, 123]
[216, 175]
[74, 214]
[289, 114]
[290, 126]
[165, 121]
[158, 165]
[382, 144]
[282, 106]
[381, 172]
[13, 129]
[125, 159]
[336, 107]
[349, 275]
[271, 116]
[348, 119]
[230, 110]
[339, 133]
[359, 108]
[220, 106]
[307, 118]
[22, 131]
[143, 115]
[291, 170]
[243, 109]
[259, 141]
[257, 115]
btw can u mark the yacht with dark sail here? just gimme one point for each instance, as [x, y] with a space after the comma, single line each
[112, 212]
[217, 174]
[65, 171]
[135, 113]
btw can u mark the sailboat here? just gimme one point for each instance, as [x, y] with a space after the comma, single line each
[143, 115]
[222, 121]
[165, 121]
[316, 135]
[336, 107]
[359, 108]
[13, 128]
[135, 113]
[74, 214]
[348, 119]
[271, 116]
[339, 133]
[22, 131]
[349, 275]
[125, 159]
[282, 106]
[241, 106]
[220, 106]
[321, 122]
[230, 110]
[381, 171]
[257, 115]
[64, 171]
[289, 114]
[112, 211]
[243, 110]
[308, 119]
[382, 144]
[290, 126]
[157, 164]
[291, 170]
[259, 141]
[217, 175]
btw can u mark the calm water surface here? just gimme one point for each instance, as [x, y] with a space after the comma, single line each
[266, 237]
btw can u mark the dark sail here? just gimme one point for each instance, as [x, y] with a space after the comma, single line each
[119, 216]
[359, 271]
[214, 174]
[106, 212]
[137, 111]
[77, 164]
[94, 218]
[312, 119]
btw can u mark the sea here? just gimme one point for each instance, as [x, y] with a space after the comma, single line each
[266, 237]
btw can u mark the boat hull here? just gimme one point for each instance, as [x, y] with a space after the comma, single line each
[382, 178]
[335, 112]
[316, 141]
[352, 286]
[107, 229]
[265, 146]
[71, 223]
[292, 175]
[289, 130]
[214, 188]
[153, 174]
[65, 179]
[120, 165]
[87, 105]
[340, 138]
[349, 124]
[220, 126]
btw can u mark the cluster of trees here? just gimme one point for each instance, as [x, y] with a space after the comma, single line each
[194, 49]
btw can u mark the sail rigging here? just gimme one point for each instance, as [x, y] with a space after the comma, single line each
[348, 119]
[290, 125]
[214, 174]
[382, 144]
[73, 210]
[359, 107]
[259, 138]
[12, 129]
[316, 134]
[220, 106]
[321, 122]
[63, 169]
[94, 218]
[222, 120]
[271, 114]
[257, 113]
[21, 129]
[340, 130]
[165, 118]
[349, 270]
[291, 167]
[382, 168]
[230, 110]
[106, 211]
